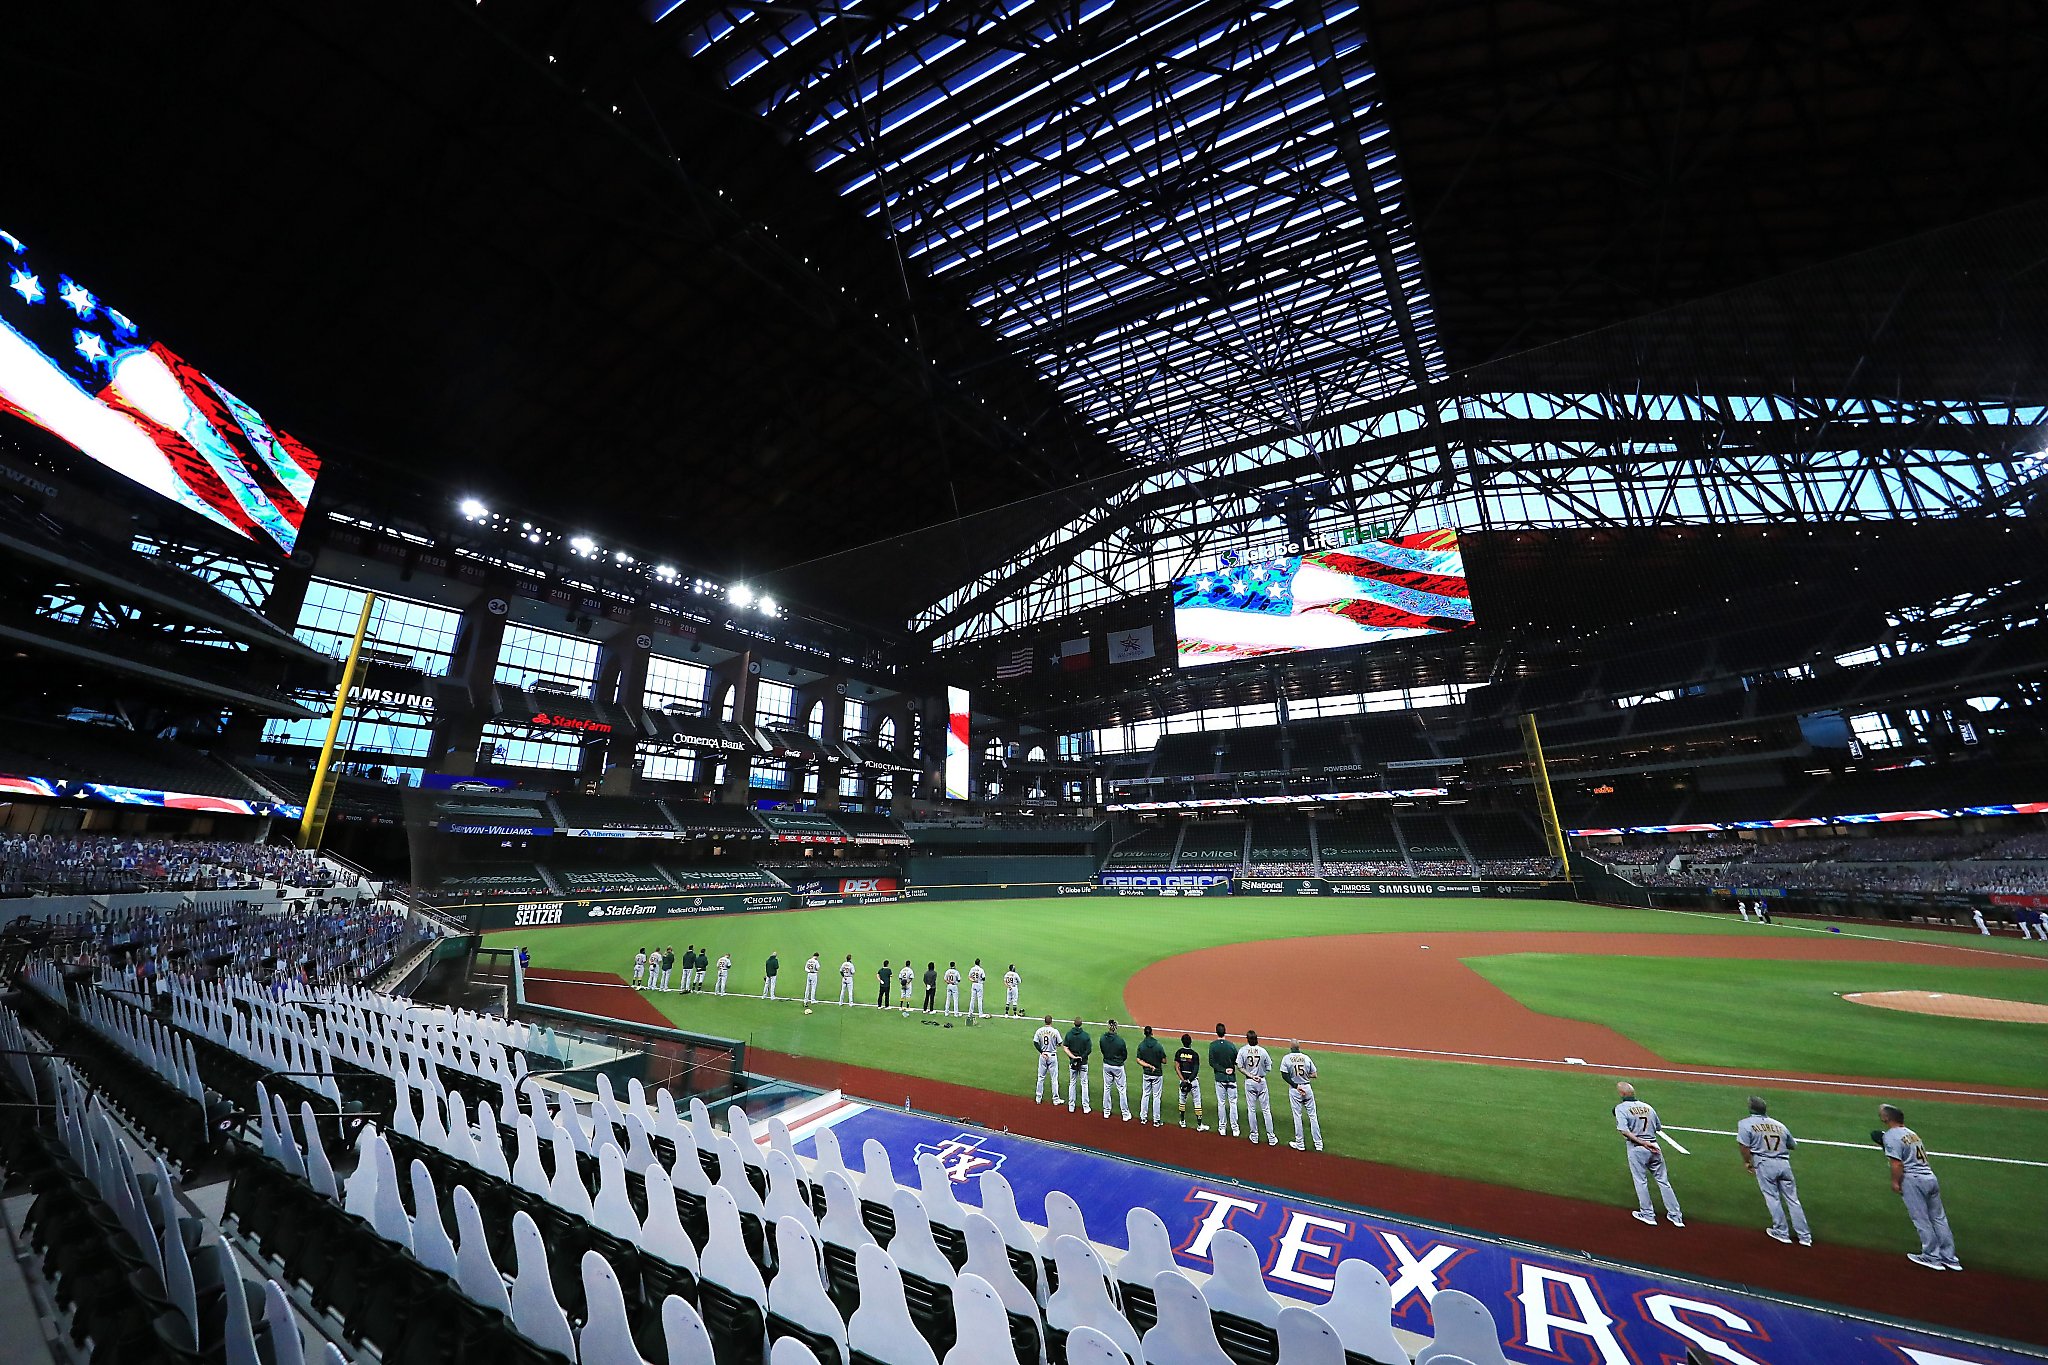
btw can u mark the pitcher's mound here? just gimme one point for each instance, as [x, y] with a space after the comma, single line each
[1953, 1006]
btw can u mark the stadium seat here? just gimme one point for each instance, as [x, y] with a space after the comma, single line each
[662, 1235]
[566, 1190]
[999, 1205]
[535, 1309]
[430, 1244]
[981, 1327]
[927, 1275]
[1086, 1346]
[1185, 1333]
[826, 1143]
[786, 1197]
[731, 1292]
[1465, 1332]
[1082, 1300]
[683, 1332]
[1245, 1312]
[1306, 1339]
[527, 1171]
[988, 1258]
[1361, 1308]
[881, 1331]
[476, 1272]
[607, 1337]
[797, 1305]
[877, 1187]
[1062, 1219]
[1148, 1254]
[612, 1210]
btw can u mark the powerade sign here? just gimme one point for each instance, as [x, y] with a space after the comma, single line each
[1550, 1307]
[1161, 881]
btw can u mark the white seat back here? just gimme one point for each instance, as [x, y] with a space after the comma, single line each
[1306, 1339]
[387, 1214]
[490, 1143]
[826, 1143]
[701, 1127]
[1238, 1285]
[778, 1141]
[989, 1258]
[527, 1172]
[1149, 1249]
[1466, 1333]
[999, 1206]
[287, 1347]
[430, 1244]
[1184, 1333]
[785, 1195]
[981, 1325]
[843, 1225]
[1082, 1300]
[881, 1326]
[935, 1187]
[475, 1272]
[607, 1337]
[319, 1171]
[1361, 1308]
[639, 1147]
[1062, 1219]
[667, 1123]
[790, 1351]
[1086, 1346]
[683, 1332]
[687, 1173]
[725, 1259]
[877, 1182]
[239, 1335]
[662, 1235]
[359, 1191]
[566, 1190]
[797, 1292]
[536, 1312]
[912, 1248]
[741, 1129]
[732, 1176]
[612, 1210]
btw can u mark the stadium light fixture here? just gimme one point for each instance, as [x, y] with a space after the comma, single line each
[740, 595]
[474, 509]
[583, 545]
[768, 607]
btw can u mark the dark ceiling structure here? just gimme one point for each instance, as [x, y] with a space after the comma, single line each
[869, 302]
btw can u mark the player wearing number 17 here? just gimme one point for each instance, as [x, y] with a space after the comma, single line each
[1767, 1153]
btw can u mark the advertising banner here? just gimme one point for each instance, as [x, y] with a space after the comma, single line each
[543, 914]
[1197, 882]
[992, 891]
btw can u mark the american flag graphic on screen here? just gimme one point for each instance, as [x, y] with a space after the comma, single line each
[84, 372]
[1362, 593]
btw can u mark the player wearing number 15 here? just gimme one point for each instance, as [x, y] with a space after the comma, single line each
[1767, 1153]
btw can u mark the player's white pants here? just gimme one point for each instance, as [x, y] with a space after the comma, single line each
[1257, 1100]
[1151, 1099]
[1226, 1106]
[974, 1000]
[639, 976]
[1781, 1195]
[700, 978]
[1302, 1099]
[1010, 998]
[1646, 1164]
[1045, 1073]
[1077, 1084]
[664, 979]
[952, 1000]
[846, 990]
[1113, 1081]
[768, 989]
[721, 980]
[810, 988]
[1742, 908]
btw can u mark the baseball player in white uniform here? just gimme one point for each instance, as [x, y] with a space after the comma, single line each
[903, 980]
[1300, 1074]
[1914, 1181]
[811, 980]
[724, 967]
[1640, 1128]
[1982, 927]
[640, 968]
[976, 976]
[1047, 1041]
[1011, 983]
[1254, 1064]
[846, 973]
[952, 980]
[1767, 1152]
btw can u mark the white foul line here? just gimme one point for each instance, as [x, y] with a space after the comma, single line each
[1675, 1145]
[1872, 1147]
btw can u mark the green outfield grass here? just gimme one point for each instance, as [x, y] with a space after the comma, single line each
[1788, 1016]
[1536, 1129]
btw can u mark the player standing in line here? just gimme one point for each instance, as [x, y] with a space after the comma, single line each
[1300, 1073]
[1914, 1181]
[724, 969]
[903, 980]
[703, 964]
[1047, 1041]
[1114, 1051]
[1639, 1126]
[1187, 1064]
[1151, 1078]
[846, 975]
[1011, 983]
[689, 966]
[1253, 1064]
[811, 979]
[1223, 1069]
[975, 977]
[882, 994]
[952, 989]
[1982, 927]
[639, 969]
[768, 976]
[1077, 1045]
[931, 986]
[668, 964]
[1767, 1154]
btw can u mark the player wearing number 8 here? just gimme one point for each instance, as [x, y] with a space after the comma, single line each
[1767, 1153]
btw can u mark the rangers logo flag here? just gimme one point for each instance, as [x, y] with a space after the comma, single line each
[83, 372]
[1354, 594]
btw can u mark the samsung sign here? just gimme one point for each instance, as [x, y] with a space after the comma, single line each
[391, 697]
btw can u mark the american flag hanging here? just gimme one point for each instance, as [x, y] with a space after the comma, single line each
[1017, 663]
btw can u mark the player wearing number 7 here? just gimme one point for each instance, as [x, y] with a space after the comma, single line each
[1640, 1128]
[1767, 1154]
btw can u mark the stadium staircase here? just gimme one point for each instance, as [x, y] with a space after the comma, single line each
[1401, 842]
[1180, 839]
[1315, 846]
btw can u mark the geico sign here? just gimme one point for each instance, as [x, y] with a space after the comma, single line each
[537, 913]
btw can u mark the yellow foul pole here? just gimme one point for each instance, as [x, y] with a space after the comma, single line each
[1546, 806]
[313, 824]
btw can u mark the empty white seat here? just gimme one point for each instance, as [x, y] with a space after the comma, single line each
[1238, 1284]
[1184, 1334]
[461, 1138]
[527, 1172]
[1082, 1300]
[490, 1143]
[732, 1176]
[662, 1234]
[286, 1346]
[359, 1191]
[433, 1130]
[404, 1119]
[989, 1258]
[1306, 1339]
[1148, 1249]
[790, 1351]
[1062, 1219]
[877, 1184]
[1086, 1346]
[797, 1293]
[475, 1272]
[430, 1244]
[742, 1130]
[935, 1187]
[683, 1333]
[999, 1206]
[778, 1141]
[785, 1196]
[725, 1261]
[319, 1171]
[536, 1312]
[981, 1324]
[566, 1190]
[912, 1247]
[701, 1128]
[881, 1327]
[1361, 1308]
[843, 1226]
[387, 1213]
[1466, 1333]
[667, 1123]
[826, 1143]
[639, 1148]
[239, 1334]
[607, 1337]
[612, 1210]
[687, 1173]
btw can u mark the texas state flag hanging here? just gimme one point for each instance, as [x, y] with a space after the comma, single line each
[1074, 654]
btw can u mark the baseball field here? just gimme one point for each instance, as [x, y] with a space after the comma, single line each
[1473, 1040]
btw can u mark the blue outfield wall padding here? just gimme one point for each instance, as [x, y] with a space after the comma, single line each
[1550, 1306]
